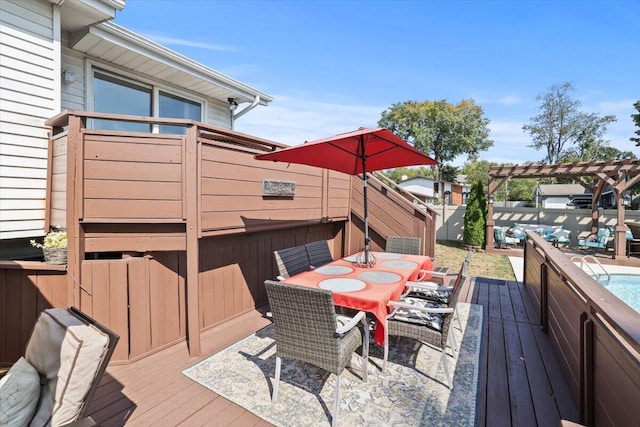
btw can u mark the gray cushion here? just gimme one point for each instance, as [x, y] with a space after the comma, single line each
[67, 352]
[19, 394]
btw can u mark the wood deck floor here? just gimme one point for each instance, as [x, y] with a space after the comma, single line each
[520, 380]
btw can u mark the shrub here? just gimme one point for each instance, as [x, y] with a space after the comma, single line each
[475, 217]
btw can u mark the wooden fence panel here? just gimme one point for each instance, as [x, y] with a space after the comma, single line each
[24, 293]
[132, 177]
[615, 375]
[594, 335]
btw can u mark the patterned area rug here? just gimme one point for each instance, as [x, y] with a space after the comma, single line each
[412, 392]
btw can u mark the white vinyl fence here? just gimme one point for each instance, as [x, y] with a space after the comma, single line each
[450, 220]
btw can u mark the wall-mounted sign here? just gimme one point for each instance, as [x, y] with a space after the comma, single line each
[279, 188]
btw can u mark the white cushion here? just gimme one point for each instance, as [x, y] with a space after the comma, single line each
[67, 351]
[19, 394]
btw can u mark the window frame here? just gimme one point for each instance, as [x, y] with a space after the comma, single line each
[156, 87]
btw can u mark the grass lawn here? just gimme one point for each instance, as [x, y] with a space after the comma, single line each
[451, 253]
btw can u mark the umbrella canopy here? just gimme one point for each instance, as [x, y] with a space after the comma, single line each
[354, 153]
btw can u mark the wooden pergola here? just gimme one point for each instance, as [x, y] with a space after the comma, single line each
[619, 175]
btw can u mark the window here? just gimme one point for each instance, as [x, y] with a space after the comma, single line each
[177, 107]
[119, 95]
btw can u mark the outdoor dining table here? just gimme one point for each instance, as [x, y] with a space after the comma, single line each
[366, 289]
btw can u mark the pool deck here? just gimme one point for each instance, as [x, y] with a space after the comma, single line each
[517, 264]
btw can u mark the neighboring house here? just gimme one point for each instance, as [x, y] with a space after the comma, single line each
[562, 196]
[428, 190]
[58, 55]
[568, 196]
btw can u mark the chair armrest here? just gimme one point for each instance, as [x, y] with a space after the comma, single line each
[360, 316]
[429, 286]
[436, 273]
[398, 304]
[280, 278]
[423, 273]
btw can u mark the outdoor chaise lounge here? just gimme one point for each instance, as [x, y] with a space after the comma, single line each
[53, 383]
[595, 241]
[502, 240]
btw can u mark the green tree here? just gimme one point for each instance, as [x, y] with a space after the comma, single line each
[477, 170]
[561, 125]
[596, 153]
[439, 129]
[636, 120]
[475, 217]
[398, 174]
[449, 173]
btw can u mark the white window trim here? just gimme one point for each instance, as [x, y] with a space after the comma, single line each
[156, 87]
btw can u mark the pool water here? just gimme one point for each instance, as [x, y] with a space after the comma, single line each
[626, 287]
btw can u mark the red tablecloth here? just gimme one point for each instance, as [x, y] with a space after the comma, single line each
[375, 296]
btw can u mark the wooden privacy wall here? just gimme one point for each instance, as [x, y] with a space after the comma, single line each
[143, 299]
[132, 177]
[231, 182]
[595, 336]
[26, 289]
[233, 268]
[390, 214]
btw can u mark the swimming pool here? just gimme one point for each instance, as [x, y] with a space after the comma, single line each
[626, 287]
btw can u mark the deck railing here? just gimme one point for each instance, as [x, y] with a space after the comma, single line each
[596, 336]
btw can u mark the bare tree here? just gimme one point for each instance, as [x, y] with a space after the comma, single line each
[561, 125]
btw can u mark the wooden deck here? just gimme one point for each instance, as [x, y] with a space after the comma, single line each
[520, 381]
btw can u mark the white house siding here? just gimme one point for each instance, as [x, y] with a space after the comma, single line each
[73, 95]
[29, 69]
[555, 202]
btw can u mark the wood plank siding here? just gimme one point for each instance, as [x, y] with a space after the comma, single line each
[29, 95]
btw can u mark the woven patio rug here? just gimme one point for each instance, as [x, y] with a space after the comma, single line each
[411, 393]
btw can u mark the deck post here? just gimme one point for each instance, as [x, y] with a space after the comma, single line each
[544, 297]
[190, 198]
[74, 214]
[586, 370]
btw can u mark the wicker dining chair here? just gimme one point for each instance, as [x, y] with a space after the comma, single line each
[425, 321]
[404, 245]
[319, 253]
[291, 261]
[308, 329]
[438, 293]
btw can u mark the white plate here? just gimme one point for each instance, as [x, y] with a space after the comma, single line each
[340, 284]
[333, 270]
[379, 277]
[399, 264]
[387, 255]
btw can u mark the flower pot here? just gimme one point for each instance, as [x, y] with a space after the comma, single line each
[55, 255]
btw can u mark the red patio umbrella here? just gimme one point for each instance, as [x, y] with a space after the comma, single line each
[354, 153]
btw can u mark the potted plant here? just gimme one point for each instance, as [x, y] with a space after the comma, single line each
[54, 247]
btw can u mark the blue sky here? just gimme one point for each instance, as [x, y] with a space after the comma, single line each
[334, 66]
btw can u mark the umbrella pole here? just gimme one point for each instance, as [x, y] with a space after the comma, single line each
[367, 247]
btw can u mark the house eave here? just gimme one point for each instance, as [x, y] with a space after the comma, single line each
[110, 42]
